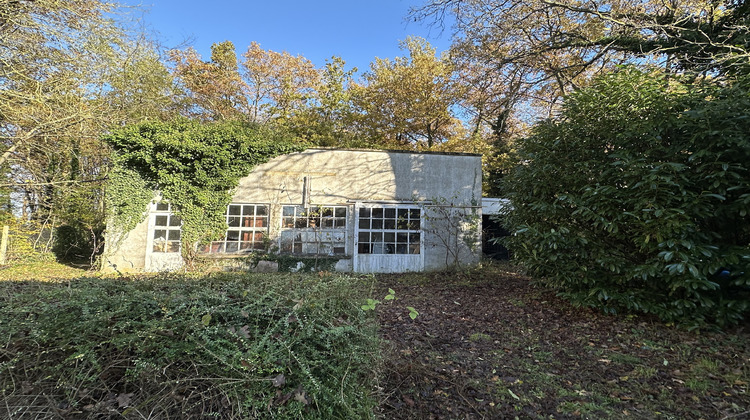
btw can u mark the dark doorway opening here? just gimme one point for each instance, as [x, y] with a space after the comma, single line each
[491, 228]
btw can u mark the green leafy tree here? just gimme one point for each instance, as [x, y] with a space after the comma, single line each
[636, 198]
[328, 121]
[68, 72]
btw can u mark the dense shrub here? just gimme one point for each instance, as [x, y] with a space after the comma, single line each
[228, 346]
[637, 197]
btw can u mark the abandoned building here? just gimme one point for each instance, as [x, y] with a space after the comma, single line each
[360, 210]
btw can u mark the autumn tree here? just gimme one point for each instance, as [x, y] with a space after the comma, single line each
[328, 119]
[407, 101]
[279, 85]
[214, 89]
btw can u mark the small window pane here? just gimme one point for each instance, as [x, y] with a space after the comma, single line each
[363, 248]
[390, 213]
[233, 221]
[174, 220]
[160, 234]
[364, 212]
[364, 223]
[377, 236]
[326, 212]
[340, 222]
[377, 223]
[377, 213]
[174, 235]
[248, 210]
[288, 211]
[389, 224]
[234, 210]
[402, 238]
[402, 249]
[390, 237]
[261, 210]
[328, 223]
[233, 235]
[340, 212]
[161, 220]
[162, 206]
[173, 247]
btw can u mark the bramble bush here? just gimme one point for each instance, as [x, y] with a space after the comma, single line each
[636, 198]
[176, 346]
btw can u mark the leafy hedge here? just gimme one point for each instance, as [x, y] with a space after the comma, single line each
[172, 346]
[637, 197]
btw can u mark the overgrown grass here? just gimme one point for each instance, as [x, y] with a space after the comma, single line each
[181, 346]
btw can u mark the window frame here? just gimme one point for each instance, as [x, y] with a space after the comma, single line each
[239, 224]
[171, 241]
[301, 231]
[391, 229]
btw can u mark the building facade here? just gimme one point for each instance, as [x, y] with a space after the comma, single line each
[367, 210]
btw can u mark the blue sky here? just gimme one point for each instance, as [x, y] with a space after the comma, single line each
[356, 30]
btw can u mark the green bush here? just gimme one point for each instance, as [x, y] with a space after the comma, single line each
[226, 346]
[637, 196]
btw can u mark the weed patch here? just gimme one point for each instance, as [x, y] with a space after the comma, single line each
[182, 346]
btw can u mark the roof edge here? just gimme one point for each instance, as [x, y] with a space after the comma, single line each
[413, 152]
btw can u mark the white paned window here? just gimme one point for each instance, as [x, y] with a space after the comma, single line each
[316, 230]
[166, 229]
[389, 230]
[247, 226]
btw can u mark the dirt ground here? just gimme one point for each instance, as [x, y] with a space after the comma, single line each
[487, 344]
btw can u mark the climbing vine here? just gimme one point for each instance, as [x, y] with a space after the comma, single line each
[195, 166]
[127, 198]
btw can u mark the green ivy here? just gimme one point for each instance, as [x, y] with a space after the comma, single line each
[128, 196]
[195, 166]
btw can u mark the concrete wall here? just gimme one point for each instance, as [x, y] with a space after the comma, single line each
[345, 177]
[127, 253]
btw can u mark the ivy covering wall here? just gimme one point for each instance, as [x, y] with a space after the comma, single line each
[195, 166]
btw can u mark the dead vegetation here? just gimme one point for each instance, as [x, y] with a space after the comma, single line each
[488, 344]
